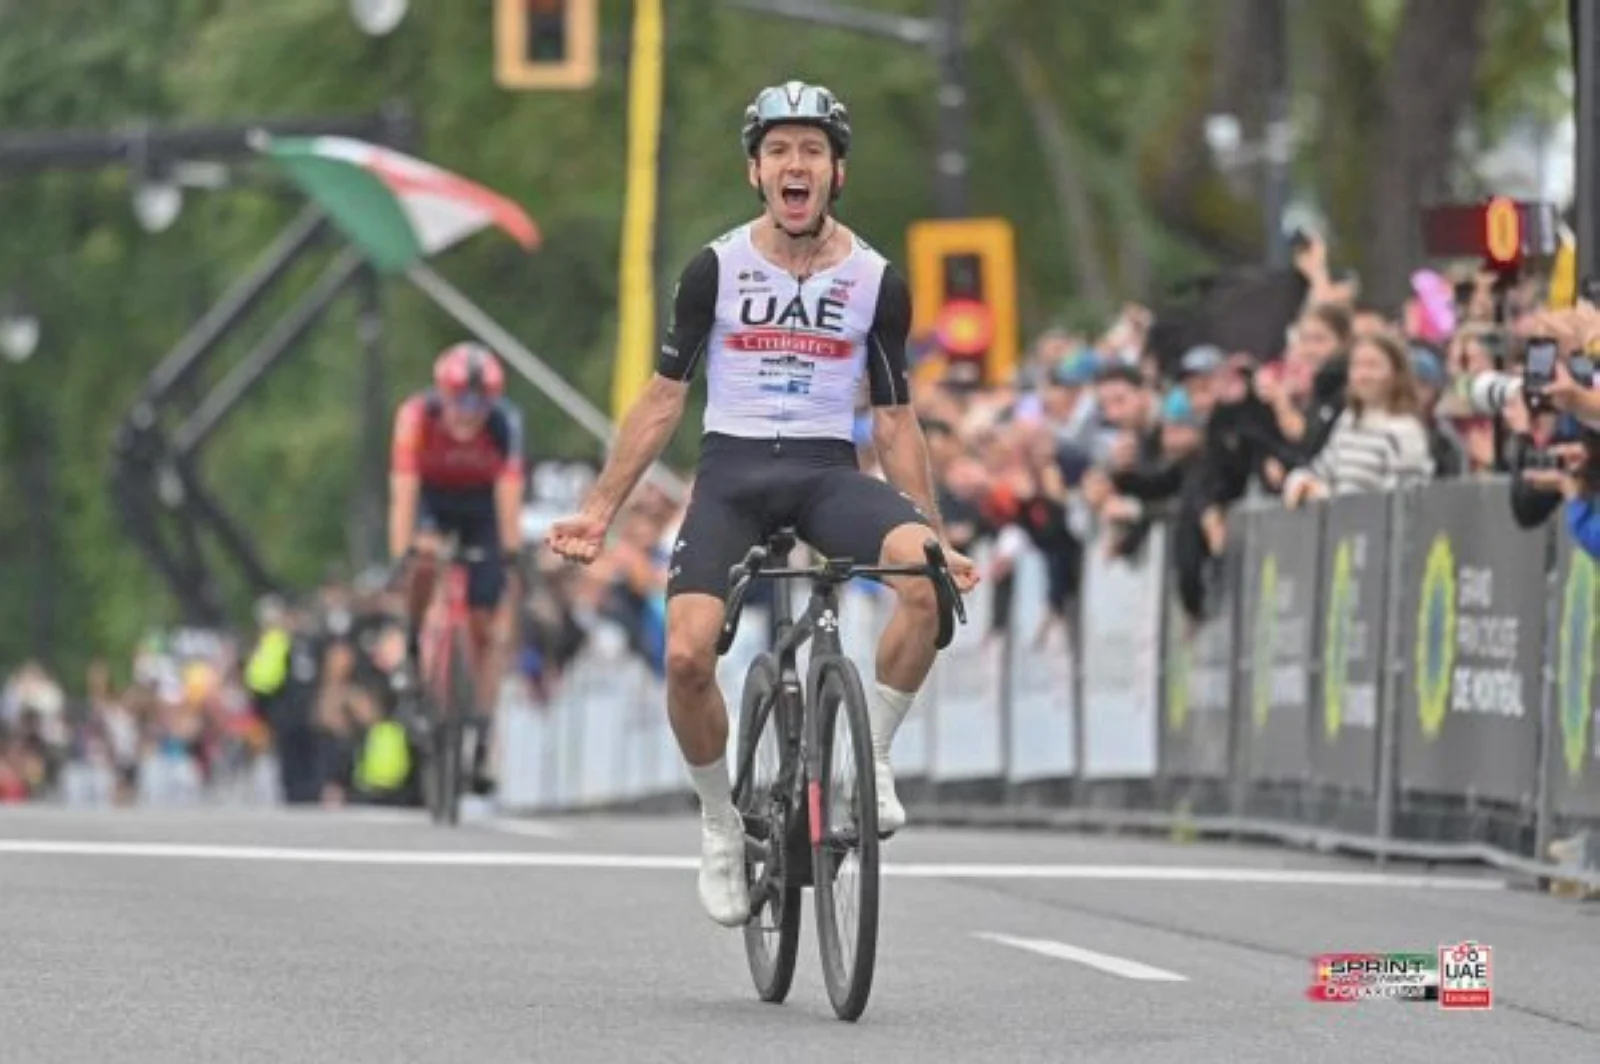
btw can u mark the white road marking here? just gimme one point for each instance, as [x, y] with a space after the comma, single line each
[531, 828]
[1105, 962]
[361, 816]
[468, 859]
[651, 862]
[1281, 877]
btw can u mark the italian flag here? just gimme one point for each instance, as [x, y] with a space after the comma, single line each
[399, 211]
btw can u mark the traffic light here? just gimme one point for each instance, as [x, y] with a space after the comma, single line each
[546, 44]
[964, 294]
[1501, 232]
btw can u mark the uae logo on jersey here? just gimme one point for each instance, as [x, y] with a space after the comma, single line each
[816, 331]
[826, 315]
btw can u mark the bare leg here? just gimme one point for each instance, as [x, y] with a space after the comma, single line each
[699, 720]
[695, 705]
[905, 657]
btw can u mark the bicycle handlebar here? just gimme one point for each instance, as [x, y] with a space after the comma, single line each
[452, 553]
[839, 571]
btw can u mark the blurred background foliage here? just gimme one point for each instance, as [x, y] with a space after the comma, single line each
[1087, 124]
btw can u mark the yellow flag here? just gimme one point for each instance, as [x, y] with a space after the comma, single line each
[1564, 275]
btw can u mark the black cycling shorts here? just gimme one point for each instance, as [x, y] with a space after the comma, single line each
[747, 489]
[470, 517]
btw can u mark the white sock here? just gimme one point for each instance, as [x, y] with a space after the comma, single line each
[711, 783]
[886, 709]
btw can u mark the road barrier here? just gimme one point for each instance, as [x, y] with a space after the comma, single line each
[1408, 675]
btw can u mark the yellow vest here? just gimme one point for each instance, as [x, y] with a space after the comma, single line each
[385, 757]
[269, 663]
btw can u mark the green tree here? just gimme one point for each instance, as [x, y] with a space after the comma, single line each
[1085, 131]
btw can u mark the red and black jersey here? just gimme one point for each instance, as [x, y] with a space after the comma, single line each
[442, 461]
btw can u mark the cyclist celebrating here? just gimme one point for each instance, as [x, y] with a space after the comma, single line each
[456, 469]
[785, 312]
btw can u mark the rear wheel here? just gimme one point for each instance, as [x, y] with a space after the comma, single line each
[845, 851]
[772, 937]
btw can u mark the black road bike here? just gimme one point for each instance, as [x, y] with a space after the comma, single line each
[804, 784]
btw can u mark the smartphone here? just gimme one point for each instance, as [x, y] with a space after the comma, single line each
[1539, 372]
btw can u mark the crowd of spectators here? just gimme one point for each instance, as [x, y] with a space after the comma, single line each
[1289, 384]
[182, 721]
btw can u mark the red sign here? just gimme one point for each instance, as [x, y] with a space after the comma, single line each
[965, 327]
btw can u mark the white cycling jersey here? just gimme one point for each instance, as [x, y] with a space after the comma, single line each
[785, 357]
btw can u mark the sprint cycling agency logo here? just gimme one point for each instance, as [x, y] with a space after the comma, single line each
[1575, 674]
[1456, 977]
[1264, 641]
[1436, 636]
[1336, 640]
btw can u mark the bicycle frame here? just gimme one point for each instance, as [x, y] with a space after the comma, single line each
[447, 614]
[818, 625]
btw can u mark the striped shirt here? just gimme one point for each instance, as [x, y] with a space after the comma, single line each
[1376, 451]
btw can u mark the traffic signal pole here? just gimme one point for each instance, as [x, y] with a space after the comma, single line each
[1585, 23]
[954, 157]
[941, 39]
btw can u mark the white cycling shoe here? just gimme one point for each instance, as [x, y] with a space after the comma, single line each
[723, 892]
[891, 814]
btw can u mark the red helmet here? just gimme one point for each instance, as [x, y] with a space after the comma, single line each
[468, 368]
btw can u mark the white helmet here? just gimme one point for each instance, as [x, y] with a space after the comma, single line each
[796, 103]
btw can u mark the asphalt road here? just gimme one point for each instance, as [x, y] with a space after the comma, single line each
[243, 936]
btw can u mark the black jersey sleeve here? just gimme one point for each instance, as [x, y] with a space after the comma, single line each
[886, 342]
[694, 311]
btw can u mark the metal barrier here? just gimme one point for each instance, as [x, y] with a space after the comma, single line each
[1408, 675]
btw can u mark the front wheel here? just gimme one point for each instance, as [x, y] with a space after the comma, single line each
[762, 796]
[845, 838]
[448, 756]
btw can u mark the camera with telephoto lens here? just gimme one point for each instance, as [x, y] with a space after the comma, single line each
[1491, 390]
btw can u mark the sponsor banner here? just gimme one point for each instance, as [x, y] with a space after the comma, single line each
[526, 730]
[1575, 769]
[1197, 702]
[967, 702]
[1472, 644]
[1277, 634]
[1344, 730]
[1041, 668]
[1121, 660]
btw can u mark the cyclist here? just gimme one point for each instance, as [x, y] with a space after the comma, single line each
[456, 468]
[785, 312]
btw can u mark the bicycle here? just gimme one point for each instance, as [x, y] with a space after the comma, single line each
[793, 836]
[447, 693]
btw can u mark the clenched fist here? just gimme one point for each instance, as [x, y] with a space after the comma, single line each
[577, 538]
